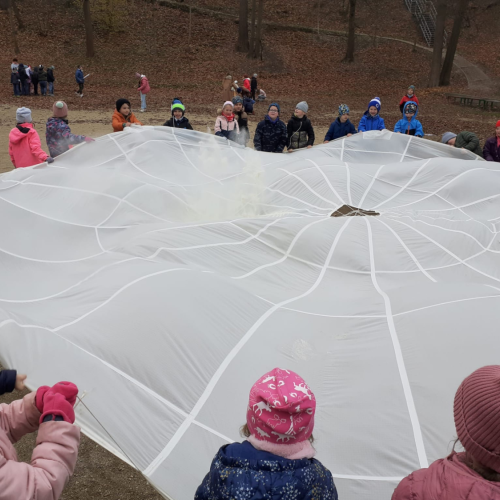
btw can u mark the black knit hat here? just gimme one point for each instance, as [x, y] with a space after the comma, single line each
[121, 102]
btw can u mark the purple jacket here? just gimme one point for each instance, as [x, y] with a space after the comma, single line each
[446, 479]
[59, 136]
[491, 150]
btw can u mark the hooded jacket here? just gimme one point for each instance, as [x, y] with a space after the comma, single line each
[59, 137]
[300, 133]
[50, 75]
[412, 127]
[224, 128]
[261, 475]
[447, 479]
[182, 123]
[79, 76]
[23, 76]
[469, 141]
[338, 129]
[369, 122]
[406, 99]
[491, 150]
[42, 75]
[144, 85]
[270, 137]
[25, 148]
[119, 121]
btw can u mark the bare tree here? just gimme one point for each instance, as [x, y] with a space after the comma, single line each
[437, 54]
[258, 37]
[349, 56]
[20, 23]
[13, 28]
[88, 28]
[242, 45]
[252, 29]
[445, 76]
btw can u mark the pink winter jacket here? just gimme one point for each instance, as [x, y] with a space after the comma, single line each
[25, 148]
[52, 462]
[144, 85]
[447, 479]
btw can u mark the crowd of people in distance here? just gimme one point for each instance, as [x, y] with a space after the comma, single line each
[24, 78]
[277, 458]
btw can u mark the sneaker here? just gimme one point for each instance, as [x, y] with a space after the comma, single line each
[142, 110]
[81, 95]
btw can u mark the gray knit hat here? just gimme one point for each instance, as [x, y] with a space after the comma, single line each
[447, 136]
[23, 115]
[303, 106]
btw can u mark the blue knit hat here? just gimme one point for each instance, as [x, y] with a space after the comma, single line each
[237, 100]
[274, 104]
[177, 104]
[343, 109]
[375, 102]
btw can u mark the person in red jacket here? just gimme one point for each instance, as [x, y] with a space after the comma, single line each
[475, 473]
[144, 89]
[25, 148]
[50, 412]
[410, 96]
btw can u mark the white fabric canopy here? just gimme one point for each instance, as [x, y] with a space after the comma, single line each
[164, 271]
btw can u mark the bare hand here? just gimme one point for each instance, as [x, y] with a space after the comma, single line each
[326, 142]
[290, 150]
[20, 381]
[309, 147]
[349, 135]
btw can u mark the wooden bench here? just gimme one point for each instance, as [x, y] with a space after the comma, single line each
[468, 100]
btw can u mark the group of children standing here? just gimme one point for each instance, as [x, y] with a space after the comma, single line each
[23, 77]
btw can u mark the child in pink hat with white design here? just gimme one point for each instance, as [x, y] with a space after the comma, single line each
[277, 460]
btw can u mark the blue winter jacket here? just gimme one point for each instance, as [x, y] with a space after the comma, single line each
[369, 122]
[7, 381]
[241, 472]
[414, 127]
[338, 129]
[79, 76]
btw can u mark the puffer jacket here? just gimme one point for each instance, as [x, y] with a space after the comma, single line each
[229, 130]
[182, 123]
[25, 148]
[270, 136]
[412, 127]
[240, 471]
[54, 457]
[42, 75]
[447, 479]
[491, 150]
[119, 122]
[338, 129]
[59, 137]
[369, 122]
[469, 141]
[300, 133]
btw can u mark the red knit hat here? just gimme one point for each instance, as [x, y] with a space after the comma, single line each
[477, 415]
[498, 123]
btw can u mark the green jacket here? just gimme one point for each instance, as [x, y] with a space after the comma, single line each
[470, 141]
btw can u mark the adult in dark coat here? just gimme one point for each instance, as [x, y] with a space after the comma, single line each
[42, 79]
[34, 80]
[270, 135]
[25, 81]
[253, 85]
[491, 150]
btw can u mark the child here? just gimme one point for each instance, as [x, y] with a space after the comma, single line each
[80, 80]
[225, 125]
[371, 120]
[300, 132]
[16, 82]
[491, 151]
[475, 473]
[42, 80]
[242, 119]
[247, 84]
[143, 89]
[58, 134]
[277, 459]
[50, 411]
[464, 140]
[123, 116]
[178, 119]
[51, 79]
[25, 148]
[410, 96]
[410, 125]
[253, 85]
[271, 134]
[262, 95]
[341, 127]
[248, 105]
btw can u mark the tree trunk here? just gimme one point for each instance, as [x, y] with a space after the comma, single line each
[252, 29]
[243, 45]
[445, 77]
[13, 28]
[349, 56]
[437, 54]
[88, 28]
[258, 36]
[20, 23]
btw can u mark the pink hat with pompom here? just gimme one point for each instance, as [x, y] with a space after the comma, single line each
[60, 109]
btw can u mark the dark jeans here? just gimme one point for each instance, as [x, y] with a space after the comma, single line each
[80, 88]
[43, 87]
[35, 87]
[25, 86]
[51, 88]
[16, 89]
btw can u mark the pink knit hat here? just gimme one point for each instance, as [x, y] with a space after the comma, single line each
[477, 415]
[281, 412]
[60, 109]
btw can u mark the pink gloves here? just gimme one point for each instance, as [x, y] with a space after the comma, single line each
[57, 400]
[89, 139]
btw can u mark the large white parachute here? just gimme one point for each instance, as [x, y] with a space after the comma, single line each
[164, 271]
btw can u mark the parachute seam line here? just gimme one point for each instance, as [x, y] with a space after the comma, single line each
[289, 196]
[408, 251]
[449, 252]
[334, 191]
[348, 173]
[406, 149]
[163, 455]
[375, 177]
[117, 206]
[413, 177]
[417, 431]
[342, 150]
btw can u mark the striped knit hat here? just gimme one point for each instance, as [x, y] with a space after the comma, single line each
[477, 415]
[177, 104]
